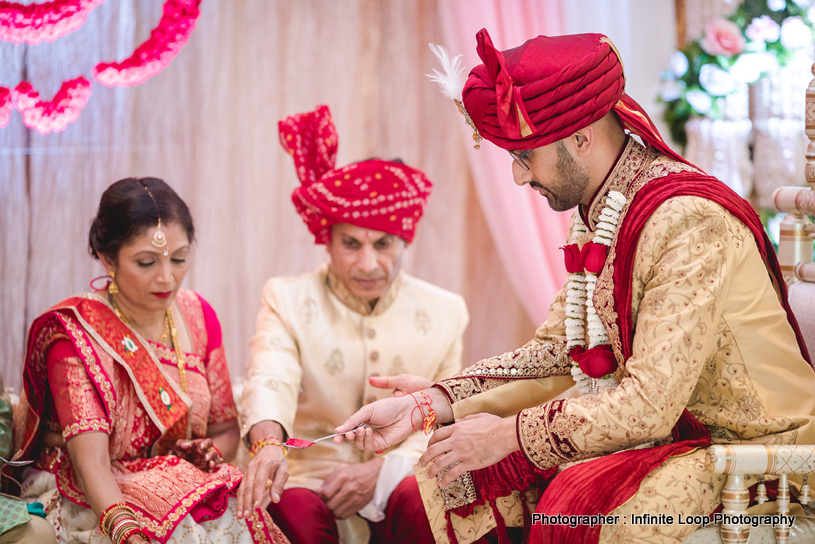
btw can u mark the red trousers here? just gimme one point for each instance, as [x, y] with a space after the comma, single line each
[305, 519]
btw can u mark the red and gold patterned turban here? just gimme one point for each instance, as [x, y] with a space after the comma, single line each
[374, 194]
[549, 88]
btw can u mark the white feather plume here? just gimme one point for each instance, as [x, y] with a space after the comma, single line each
[451, 77]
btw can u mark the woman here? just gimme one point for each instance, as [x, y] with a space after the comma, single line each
[128, 404]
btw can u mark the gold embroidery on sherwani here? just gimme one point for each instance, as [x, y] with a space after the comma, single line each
[681, 485]
[545, 434]
[531, 361]
[335, 363]
[360, 305]
[397, 366]
[308, 310]
[633, 160]
[422, 322]
[653, 166]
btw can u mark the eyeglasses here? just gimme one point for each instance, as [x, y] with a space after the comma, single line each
[519, 157]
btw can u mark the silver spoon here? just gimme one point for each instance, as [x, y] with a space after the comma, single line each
[15, 463]
[300, 444]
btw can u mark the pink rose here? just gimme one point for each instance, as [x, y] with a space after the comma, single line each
[722, 37]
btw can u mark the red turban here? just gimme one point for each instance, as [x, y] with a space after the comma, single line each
[374, 194]
[549, 88]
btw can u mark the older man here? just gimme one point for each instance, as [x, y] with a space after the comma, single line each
[674, 324]
[323, 339]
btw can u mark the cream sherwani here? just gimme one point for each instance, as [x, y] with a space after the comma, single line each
[317, 344]
[710, 335]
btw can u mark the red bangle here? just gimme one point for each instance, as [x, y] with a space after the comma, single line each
[130, 533]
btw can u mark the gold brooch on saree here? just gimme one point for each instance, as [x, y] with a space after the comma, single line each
[130, 346]
[165, 398]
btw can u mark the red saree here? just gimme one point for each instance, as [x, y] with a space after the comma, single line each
[85, 370]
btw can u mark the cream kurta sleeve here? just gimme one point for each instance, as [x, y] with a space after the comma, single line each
[274, 372]
[686, 276]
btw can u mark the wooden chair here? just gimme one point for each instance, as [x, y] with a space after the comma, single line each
[739, 460]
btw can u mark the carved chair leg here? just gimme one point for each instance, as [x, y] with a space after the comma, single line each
[735, 500]
[782, 530]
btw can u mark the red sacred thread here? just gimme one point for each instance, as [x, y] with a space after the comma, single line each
[429, 420]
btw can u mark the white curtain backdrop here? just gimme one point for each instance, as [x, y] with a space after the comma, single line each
[208, 126]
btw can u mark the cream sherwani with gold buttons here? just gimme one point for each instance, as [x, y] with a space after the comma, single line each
[317, 344]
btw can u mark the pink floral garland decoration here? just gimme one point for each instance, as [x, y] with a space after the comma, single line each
[59, 112]
[151, 57]
[6, 106]
[37, 22]
[34, 23]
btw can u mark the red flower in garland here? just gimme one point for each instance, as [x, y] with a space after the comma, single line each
[595, 362]
[571, 255]
[593, 256]
[34, 23]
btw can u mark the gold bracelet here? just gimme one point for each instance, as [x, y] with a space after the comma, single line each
[257, 445]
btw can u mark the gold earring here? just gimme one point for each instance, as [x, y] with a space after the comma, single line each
[112, 287]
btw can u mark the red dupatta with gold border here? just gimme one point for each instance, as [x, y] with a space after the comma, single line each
[162, 489]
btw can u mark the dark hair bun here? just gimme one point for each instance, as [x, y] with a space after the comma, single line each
[126, 209]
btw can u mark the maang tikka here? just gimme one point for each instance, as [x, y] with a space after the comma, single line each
[159, 239]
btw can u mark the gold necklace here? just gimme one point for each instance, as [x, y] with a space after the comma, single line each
[169, 325]
[182, 365]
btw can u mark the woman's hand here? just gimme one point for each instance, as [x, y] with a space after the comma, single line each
[199, 452]
[138, 539]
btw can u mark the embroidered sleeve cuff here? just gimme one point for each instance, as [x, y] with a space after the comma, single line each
[545, 432]
[529, 362]
[84, 426]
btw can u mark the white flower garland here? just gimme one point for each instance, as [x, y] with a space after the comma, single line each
[581, 316]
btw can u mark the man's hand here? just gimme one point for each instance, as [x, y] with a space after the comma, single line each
[475, 442]
[392, 420]
[269, 463]
[402, 384]
[348, 489]
[199, 452]
[388, 424]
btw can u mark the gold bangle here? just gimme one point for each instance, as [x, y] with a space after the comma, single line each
[109, 512]
[257, 445]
